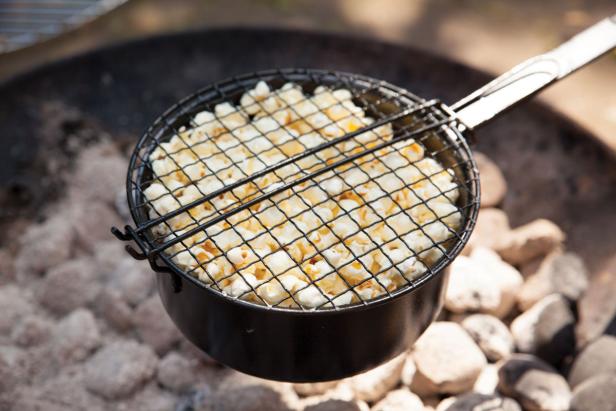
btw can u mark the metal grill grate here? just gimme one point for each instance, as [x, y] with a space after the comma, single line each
[24, 22]
[414, 123]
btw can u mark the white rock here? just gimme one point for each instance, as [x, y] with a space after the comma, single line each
[408, 370]
[487, 381]
[399, 400]
[531, 240]
[373, 385]
[470, 288]
[491, 230]
[318, 388]
[492, 336]
[493, 184]
[447, 360]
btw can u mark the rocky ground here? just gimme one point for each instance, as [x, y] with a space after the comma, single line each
[82, 327]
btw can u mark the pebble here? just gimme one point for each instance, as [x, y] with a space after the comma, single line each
[445, 403]
[595, 394]
[535, 239]
[399, 400]
[599, 357]
[372, 385]
[508, 278]
[14, 306]
[31, 331]
[547, 329]
[176, 372]
[408, 370]
[470, 288]
[491, 229]
[76, 336]
[154, 326]
[447, 359]
[317, 388]
[487, 381]
[493, 184]
[119, 369]
[133, 279]
[69, 286]
[534, 383]
[109, 254]
[92, 223]
[490, 334]
[563, 274]
[14, 367]
[44, 246]
[473, 401]
[114, 309]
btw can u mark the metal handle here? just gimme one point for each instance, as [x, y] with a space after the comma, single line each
[536, 73]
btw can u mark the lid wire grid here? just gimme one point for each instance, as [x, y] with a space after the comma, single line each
[427, 123]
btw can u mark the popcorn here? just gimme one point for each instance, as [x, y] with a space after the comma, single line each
[372, 224]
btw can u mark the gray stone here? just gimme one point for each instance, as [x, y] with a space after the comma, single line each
[373, 385]
[563, 274]
[547, 329]
[31, 331]
[119, 369]
[64, 392]
[69, 286]
[490, 334]
[14, 305]
[491, 229]
[493, 184]
[176, 372]
[133, 279]
[531, 240]
[595, 394]
[335, 405]
[599, 357]
[399, 400]
[76, 336]
[534, 383]
[114, 309]
[154, 325]
[44, 246]
[14, 368]
[447, 360]
[473, 401]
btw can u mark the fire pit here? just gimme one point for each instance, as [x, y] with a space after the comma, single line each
[67, 124]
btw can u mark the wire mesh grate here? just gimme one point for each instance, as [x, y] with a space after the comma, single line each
[332, 141]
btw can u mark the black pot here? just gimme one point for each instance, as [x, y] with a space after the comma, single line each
[299, 346]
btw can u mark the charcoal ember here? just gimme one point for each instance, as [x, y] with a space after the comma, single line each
[399, 400]
[178, 373]
[31, 331]
[14, 368]
[154, 326]
[598, 357]
[563, 274]
[598, 393]
[337, 405]
[69, 286]
[473, 401]
[63, 392]
[14, 305]
[113, 308]
[490, 334]
[547, 329]
[118, 369]
[91, 222]
[535, 239]
[121, 205]
[100, 171]
[491, 229]
[76, 336]
[373, 385]
[43, 246]
[150, 398]
[7, 266]
[318, 388]
[108, 254]
[493, 184]
[133, 279]
[507, 278]
[534, 383]
[242, 392]
[487, 381]
[447, 360]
